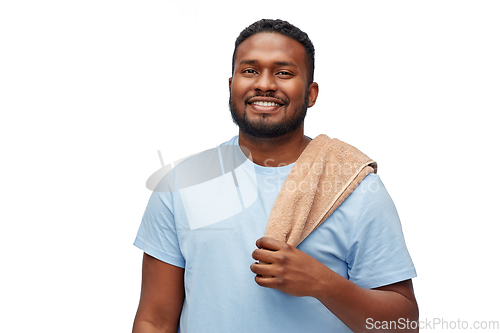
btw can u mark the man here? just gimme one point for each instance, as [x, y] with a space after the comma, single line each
[204, 267]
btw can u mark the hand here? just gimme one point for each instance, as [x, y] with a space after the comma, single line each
[288, 269]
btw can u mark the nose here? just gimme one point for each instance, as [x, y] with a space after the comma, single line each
[265, 81]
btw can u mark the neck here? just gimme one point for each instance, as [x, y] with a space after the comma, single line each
[275, 152]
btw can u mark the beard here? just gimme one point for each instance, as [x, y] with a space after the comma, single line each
[263, 130]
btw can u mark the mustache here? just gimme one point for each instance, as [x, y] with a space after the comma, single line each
[271, 95]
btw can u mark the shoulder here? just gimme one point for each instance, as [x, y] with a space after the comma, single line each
[370, 184]
[369, 209]
[369, 190]
[377, 218]
[374, 193]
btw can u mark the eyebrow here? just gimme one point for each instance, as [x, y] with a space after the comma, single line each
[285, 63]
[279, 63]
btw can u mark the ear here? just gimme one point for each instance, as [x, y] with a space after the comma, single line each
[313, 94]
[230, 81]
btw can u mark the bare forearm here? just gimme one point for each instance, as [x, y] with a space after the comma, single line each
[359, 308]
[162, 297]
[149, 320]
[144, 326]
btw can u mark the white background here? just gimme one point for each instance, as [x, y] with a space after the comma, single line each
[90, 90]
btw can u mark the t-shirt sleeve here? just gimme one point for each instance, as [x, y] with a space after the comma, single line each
[378, 255]
[157, 235]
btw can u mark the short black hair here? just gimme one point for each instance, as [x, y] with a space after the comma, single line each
[284, 28]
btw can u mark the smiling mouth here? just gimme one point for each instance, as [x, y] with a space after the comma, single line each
[265, 107]
[263, 103]
[266, 100]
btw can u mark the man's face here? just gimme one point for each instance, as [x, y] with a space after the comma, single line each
[269, 94]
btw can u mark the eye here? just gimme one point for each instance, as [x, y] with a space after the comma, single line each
[284, 74]
[249, 71]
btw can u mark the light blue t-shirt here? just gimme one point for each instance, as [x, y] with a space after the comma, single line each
[206, 215]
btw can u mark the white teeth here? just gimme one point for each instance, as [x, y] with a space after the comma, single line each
[262, 103]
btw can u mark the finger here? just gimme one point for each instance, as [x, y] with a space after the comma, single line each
[269, 244]
[263, 255]
[266, 281]
[262, 270]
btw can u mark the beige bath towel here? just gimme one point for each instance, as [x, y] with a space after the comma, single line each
[324, 175]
